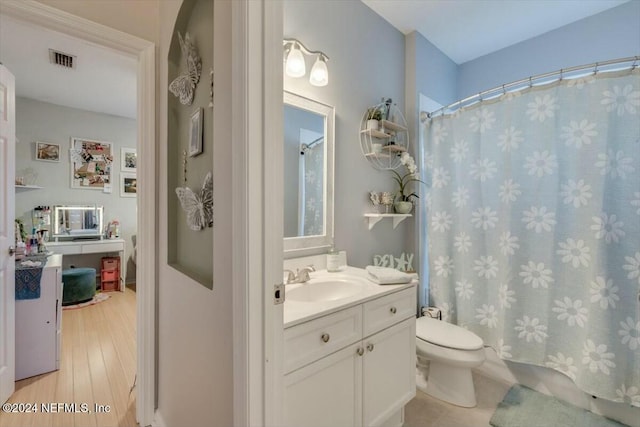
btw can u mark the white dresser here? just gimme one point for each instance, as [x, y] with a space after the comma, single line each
[39, 325]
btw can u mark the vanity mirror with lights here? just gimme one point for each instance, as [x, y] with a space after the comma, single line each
[308, 176]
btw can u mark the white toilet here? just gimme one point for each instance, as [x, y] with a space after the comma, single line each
[452, 351]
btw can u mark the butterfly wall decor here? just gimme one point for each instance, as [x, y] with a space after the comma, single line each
[198, 206]
[184, 85]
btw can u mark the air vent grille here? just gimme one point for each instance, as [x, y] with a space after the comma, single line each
[62, 59]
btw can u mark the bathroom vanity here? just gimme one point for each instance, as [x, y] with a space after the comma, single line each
[349, 351]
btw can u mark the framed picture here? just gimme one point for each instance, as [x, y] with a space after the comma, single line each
[128, 159]
[128, 184]
[195, 134]
[47, 152]
[91, 163]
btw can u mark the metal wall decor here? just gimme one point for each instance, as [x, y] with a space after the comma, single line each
[184, 85]
[198, 206]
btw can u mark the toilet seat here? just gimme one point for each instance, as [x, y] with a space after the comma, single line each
[443, 334]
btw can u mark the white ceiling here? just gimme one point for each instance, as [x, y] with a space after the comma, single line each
[105, 81]
[467, 29]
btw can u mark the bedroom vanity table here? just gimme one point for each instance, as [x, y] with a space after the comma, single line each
[84, 247]
[79, 230]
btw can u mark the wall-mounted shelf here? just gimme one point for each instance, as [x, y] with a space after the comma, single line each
[20, 188]
[382, 145]
[374, 218]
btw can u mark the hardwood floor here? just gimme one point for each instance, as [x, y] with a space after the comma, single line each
[97, 367]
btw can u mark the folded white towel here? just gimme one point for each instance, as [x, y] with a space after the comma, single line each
[387, 276]
[31, 263]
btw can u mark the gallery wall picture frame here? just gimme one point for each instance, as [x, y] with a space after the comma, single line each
[128, 160]
[128, 184]
[47, 152]
[91, 163]
[195, 133]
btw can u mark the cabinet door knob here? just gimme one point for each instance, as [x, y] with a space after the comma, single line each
[393, 310]
[370, 347]
[360, 351]
[325, 337]
[12, 250]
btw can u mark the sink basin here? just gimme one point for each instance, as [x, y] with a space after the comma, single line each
[325, 289]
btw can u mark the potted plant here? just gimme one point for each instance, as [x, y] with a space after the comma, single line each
[404, 204]
[374, 115]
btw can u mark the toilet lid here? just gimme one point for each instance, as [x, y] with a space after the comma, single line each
[446, 334]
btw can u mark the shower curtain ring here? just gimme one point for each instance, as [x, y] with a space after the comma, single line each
[530, 81]
[635, 63]
[504, 90]
[595, 69]
[561, 73]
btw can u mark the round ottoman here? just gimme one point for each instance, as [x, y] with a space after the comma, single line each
[79, 285]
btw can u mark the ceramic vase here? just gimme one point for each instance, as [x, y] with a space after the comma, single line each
[403, 207]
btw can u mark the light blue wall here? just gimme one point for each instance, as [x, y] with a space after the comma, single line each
[434, 72]
[611, 34]
[366, 63]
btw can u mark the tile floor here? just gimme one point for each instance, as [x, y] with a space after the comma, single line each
[426, 411]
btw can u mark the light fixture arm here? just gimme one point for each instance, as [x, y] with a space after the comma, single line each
[288, 43]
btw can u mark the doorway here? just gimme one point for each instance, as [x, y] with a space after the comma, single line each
[143, 54]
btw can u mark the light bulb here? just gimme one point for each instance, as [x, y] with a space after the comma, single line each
[295, 66]
[319, 75]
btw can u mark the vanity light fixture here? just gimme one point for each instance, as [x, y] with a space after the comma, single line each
[295, 62]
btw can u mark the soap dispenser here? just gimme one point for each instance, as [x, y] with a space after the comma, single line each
[333, 260]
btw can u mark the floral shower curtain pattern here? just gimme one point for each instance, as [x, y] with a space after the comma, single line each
[533, 218]
[313, 207]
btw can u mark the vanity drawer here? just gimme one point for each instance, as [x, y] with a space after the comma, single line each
[389, 310]
[317, 338]
[65, 249]
[102, 246]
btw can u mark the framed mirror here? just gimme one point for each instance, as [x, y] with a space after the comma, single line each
[308, 176]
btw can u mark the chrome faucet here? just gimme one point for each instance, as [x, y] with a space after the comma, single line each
[302, 275]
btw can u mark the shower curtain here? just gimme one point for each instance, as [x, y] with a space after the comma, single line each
[311, 207]
[533, 225]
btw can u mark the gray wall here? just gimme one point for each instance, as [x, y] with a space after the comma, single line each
[189, 250]
[41, 121]
[614, 33]
[366, 63]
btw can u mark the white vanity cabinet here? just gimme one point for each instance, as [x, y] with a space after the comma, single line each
[353, 367]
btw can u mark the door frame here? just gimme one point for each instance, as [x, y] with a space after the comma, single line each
[257, 128]
[144, 51]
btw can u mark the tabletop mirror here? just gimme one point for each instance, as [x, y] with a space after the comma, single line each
[77, 222]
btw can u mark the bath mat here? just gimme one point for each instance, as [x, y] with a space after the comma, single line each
[96, 299]
[524, 407]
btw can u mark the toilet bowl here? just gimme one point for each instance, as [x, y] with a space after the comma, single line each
[451, 351]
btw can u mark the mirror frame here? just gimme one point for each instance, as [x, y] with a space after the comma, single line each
[313, 245]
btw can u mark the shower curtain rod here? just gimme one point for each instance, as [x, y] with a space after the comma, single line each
[305, 147]
[634, 59]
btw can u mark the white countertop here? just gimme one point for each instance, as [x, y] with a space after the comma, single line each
[54, 261]
[296, 312]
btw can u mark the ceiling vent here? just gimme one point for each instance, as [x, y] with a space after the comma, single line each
[62, 59]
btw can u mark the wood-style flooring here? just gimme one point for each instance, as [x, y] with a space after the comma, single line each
[97, 366]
